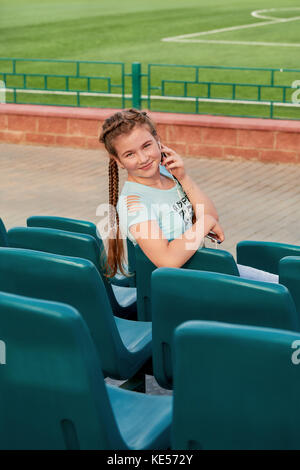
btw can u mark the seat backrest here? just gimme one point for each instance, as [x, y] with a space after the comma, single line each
[89, 228]
[206, 259]
[52, 390]
[3, 234]
[289, 276]
[61, 242]
[56, 241]
[264, 255]
[74, 281]
[179, 295]
[235, 387]
[131, 262]
[67, 224]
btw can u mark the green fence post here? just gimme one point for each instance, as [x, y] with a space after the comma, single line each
[136, 85]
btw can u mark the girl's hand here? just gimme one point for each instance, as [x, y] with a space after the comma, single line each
[217, 229]
[173, 163]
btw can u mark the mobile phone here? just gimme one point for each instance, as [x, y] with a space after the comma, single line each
[163, 155]
[212, 236]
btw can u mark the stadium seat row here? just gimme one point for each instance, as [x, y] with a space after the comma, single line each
[226, 305]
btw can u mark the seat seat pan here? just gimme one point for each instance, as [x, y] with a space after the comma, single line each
[125, 296]
[150, 418]
[136, 335]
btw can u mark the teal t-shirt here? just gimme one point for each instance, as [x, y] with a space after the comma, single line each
[171, 208]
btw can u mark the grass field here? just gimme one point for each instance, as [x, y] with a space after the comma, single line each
[133, 30]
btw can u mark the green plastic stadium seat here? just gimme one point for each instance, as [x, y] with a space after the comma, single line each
[289, 276]
[131, 262]
[124, 346]
[122, 299]
[206, 259]
[264, 255]
[235, 387]
[53, 394]
[3, 234]
[201, 295]
[77, 226]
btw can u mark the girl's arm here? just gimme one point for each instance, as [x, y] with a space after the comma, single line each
[197, 196]
[177, 252]
[175, 163]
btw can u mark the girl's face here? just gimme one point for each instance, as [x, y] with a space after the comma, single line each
[138, 152]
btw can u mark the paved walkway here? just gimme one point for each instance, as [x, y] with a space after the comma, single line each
[255, 201]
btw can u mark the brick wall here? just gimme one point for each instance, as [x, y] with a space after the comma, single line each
[191, 135]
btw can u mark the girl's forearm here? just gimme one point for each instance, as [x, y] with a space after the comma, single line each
[181, 249]
[196, 196]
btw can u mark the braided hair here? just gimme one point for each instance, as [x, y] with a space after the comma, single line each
[119, 123]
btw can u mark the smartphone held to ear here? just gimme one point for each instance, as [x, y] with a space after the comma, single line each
[163, 155]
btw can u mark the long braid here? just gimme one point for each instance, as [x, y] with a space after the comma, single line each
[113, 174]
[115, 257]
[113, 182]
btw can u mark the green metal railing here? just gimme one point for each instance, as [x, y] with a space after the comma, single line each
[80, 78]
[235, 91]
[251, 86]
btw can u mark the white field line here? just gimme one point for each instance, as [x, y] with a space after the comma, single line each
[258, 13]
[222, 30]
[245, 43]
[271, 20]
[154, 97]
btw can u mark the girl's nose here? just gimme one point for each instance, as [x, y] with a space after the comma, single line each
[143, 157]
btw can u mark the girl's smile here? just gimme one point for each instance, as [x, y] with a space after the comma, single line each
[146, 167]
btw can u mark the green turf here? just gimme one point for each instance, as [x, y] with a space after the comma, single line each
[131, 30]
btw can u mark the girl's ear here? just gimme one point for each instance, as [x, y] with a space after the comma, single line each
[116, 160]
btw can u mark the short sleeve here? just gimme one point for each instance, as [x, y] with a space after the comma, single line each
[134, 209]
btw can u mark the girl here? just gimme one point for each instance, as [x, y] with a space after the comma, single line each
[160, 207]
